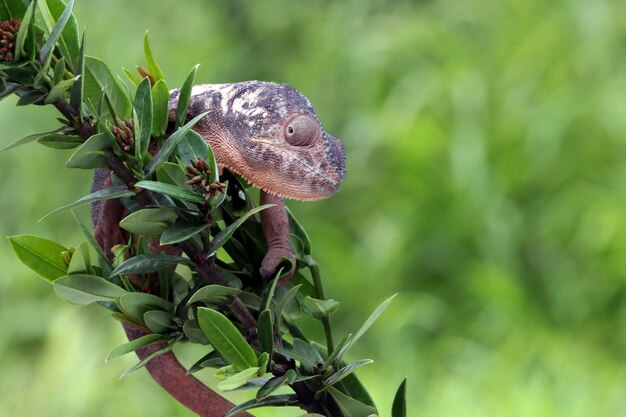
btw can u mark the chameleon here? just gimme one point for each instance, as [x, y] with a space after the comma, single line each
[269, 134]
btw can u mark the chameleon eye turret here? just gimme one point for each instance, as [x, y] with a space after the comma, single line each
[302, 130]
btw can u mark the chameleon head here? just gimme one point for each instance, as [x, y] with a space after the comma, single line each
[269, 133]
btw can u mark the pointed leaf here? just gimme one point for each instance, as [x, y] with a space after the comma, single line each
[238, 380]
[92, 153]
[273, 384]
[319, 309]
[86, 289]
[76, 96]
[147, 359]
[60, 141]
[149, 222]
[371, 319]
[170, 144]
[69, 41]
[223, 236]
[32, 138]
[333, 356]
[184, 96]
[24, 30]
[47, 47]
[280, 306]
[100, 195]
[171, 191]
[158, 321]
[133, 345]
[42, 256]
[153, 66]
[266, 331]
[160, 101]
[179, 232]
[399, 402]
[226, 339]
[273, 401]
[349, 406]
[142, 114]
[344, 372]
[136, 304]
[98, 78]
[148, 262]
[214, 294]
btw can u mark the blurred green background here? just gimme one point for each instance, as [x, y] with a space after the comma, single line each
[486, 184]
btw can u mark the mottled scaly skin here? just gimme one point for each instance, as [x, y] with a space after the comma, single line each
[246, 129]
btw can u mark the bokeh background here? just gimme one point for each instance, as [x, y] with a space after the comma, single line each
[486, 185]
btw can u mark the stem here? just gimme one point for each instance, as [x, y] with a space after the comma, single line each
[319, 288]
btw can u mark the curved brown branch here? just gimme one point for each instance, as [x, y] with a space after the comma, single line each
[168, 372]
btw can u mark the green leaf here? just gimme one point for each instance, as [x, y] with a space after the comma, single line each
[192, 147]
[92, 153]
[24, 30]
[344, 372]
[153, 66]
[349, 406]
[69, 41]
[180, 231]
[210, 360]
[184, 97]
[265, 331]
[81, 261]
[136, 304]
[100, 195]
[149, 222]
[238, 380]
[42, 256]
[226, 339]
[368, 323]
[59, 71]
[147, 359]
[173, 191]
[148, 262]
[297, 229]
[142, 114]
[30, 98]
[263, 360]
[132, 77]
[60, 141]
[160, 109]
[59, 89]
[333, 356]
[158, 321]
[273, 384]
[319, 309]
[86, 289]
[399, 402]
[104, 261]
[280, 306]
[191, 328]
[214, 294]
[133, 345]
[47, 47]
[170, 144]
[223, 236]
[273, 401]
[76, 95]
[32, 138]
[14, 9]
[306, 356]
[98, 78]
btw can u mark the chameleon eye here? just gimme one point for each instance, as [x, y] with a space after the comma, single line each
[301, 131]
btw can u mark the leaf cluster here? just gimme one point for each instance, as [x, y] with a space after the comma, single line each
[189, 271]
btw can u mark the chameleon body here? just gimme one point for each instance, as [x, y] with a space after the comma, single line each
[269, 134]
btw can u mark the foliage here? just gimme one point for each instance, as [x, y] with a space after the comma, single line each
[175, 299]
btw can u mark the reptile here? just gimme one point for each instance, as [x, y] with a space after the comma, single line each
[269, 134]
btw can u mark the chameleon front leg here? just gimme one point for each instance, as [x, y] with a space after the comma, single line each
[276, 230]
